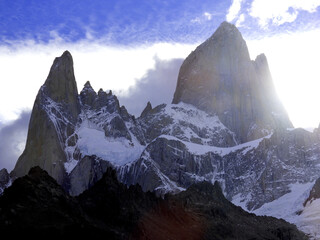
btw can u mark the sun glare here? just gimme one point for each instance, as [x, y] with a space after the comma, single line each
[294, 64]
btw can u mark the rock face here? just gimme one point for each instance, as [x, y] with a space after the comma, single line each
[220, 78]
[146, 110]
[53, 119]
[253, 173]
[35, 205]
[88, 171]
[314, 193]
[4, 179]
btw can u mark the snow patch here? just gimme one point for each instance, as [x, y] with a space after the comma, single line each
[199, 149]
[290, 205]
[309, 220]
[241, 201]
[93, 141]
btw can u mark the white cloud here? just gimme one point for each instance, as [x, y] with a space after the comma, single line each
[25, 68]
[234, 10]
[12, 140]
[240, 20]
[278, 12]
[207, 15]
[157, 86]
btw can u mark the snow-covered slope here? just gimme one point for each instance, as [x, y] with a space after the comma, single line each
[293, 208]
[309, 220]
[186, 123]
[106, 134]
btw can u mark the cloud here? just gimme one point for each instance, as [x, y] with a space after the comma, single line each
[234, 10]
[207, 15]
[24, 67]
[279, 12]
[12, 140]
[240, 20]
[157, 86]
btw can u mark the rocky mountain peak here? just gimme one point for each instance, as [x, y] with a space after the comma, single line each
[61, 84]
[219, 77]
[87, 85]
[146, 110]
[54, 116]
[227, 30]
[261, 59]
[88, 95]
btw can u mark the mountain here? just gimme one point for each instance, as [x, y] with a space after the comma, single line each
[53, 119]
[219, 77]
[258, 160]
[36, 206]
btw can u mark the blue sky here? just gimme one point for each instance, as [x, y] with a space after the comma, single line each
[128, 22]
[118, 22]
[134, 47]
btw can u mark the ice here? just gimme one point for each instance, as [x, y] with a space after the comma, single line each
[120, 151]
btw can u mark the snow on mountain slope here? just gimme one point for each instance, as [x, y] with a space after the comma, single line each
[289, 205]
[182, 121]
[199, 149]
[95, 136]
[118, 151]
[186, 123]
[290, 208]
[309, 220]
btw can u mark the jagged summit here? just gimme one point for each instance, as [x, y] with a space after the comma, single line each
[227, 29]
[146, 110]
[219, 77]
[88, 95]
[61, 84]
[88, 85]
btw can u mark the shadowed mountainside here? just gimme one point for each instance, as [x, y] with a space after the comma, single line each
[35, 205]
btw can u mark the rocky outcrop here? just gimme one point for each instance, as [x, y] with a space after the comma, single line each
[35, 205]
[146, 110]
[219, 77]
[4, 179]
[314, 193]
[88, 171]
[53, 119]
[88, 96]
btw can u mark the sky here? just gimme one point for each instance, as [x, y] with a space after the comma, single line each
[135, 49]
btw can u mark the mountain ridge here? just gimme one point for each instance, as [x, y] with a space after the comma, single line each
[112, 210]
[171, 146]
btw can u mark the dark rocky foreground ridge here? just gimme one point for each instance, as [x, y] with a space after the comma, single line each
[36, 206]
